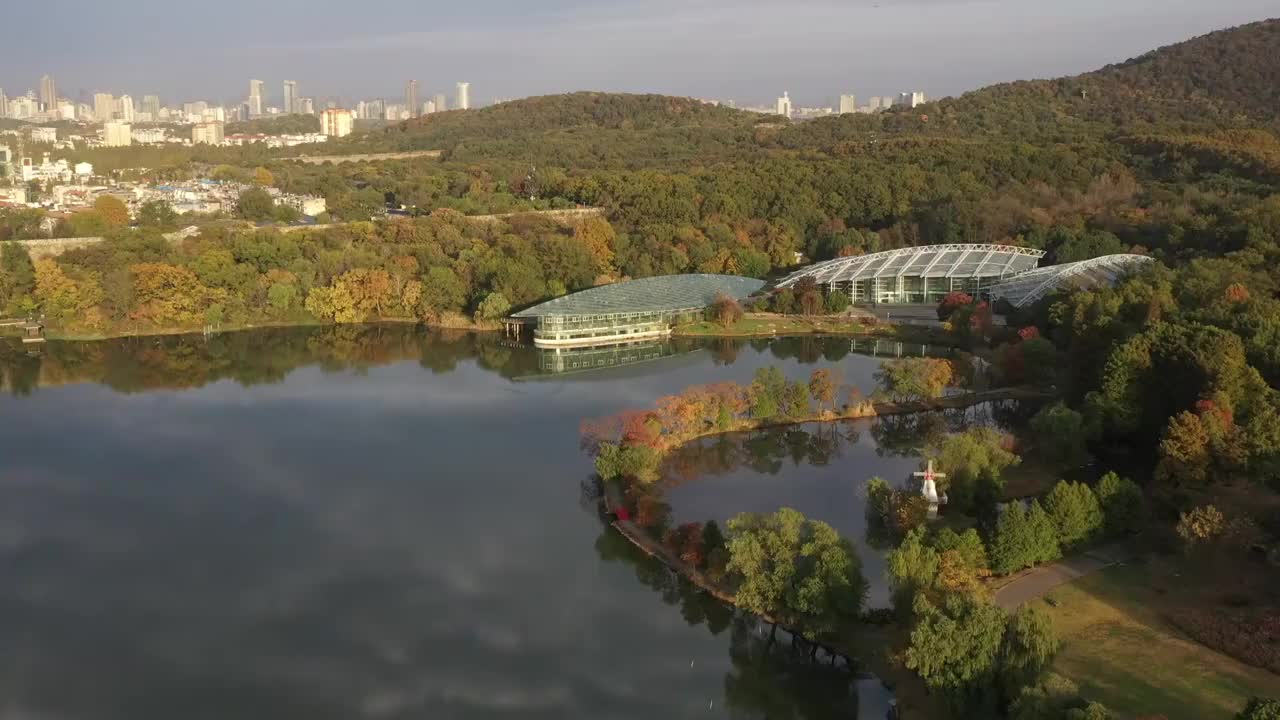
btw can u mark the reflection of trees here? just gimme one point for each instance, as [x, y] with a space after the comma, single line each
[254, 357]
[907, 435]
[773, 675]
[764, 451]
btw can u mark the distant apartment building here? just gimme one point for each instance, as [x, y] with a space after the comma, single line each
[151, 106]
[148, 136]
[307, 106]
[464, 96]
[255, 97]
[117, 134]
[848, 104]
[784, 105]
[208, 133]
[911, 99]
[428, 107]
[336, 122]
[291, 97]
[4, 104]
[411, 98]
[104, 107]
[48, 92]
[124, 109]
[441, 103]
[44, 135]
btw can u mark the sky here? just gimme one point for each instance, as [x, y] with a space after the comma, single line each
[747, 50]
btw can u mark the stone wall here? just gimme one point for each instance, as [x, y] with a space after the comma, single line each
[53, 247]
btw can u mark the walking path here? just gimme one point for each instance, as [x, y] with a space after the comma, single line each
[1036, 582]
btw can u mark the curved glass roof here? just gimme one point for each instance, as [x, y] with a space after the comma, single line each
[665, 293]
[929, 261]
[1029, 287]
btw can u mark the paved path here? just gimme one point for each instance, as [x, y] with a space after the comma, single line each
[1036, 582]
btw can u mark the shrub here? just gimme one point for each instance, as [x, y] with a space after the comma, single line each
[837, 302]
[1201, 525]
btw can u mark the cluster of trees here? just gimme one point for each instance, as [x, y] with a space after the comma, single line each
[984, 661]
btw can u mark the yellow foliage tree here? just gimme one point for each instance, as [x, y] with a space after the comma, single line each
[263, 177]
[597, 235]
[112, 210]
[64, 299]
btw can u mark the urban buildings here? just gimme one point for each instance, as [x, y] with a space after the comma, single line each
[335, 122]
[308, 106]
[441, 103]
[151, 106]
[255, 98]
[784, 105]
[848, 104]
[209, 133]
[104, 106]
[464, 96]
[44, 135]
[117, 134]
[291, 97]
[911, 99]
[124, 109]
[48, 92]
[411, 98]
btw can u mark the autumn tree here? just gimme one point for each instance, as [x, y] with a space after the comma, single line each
[951, 302]
[915, 378]
[1260, 709]
[822, 387]
[112, 210]
[494, 307]
[725, 310]
[599, 238]
[17, 276]
[263, 177]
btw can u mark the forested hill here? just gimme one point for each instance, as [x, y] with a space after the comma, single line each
[1228, 77]
[584, 129]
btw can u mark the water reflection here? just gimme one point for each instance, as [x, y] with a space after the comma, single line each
[268, 356]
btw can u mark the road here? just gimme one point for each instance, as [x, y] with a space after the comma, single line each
[1037, 582]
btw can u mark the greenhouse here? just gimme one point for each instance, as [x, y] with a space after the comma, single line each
[1097, 272]
[919, 274]
[630, 310]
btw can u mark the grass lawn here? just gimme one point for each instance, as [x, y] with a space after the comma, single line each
[767, 324]
[1122, 653]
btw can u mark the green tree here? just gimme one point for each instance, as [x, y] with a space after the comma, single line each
[256, 204]
[915, 378]
[974, 462]
[954, 648]
[1122, 504]
[767, 393]
[493, 307]
[443, 290]
[1260, 709]
[157, 214]
[1011, 546]
[837, 302]
[1076, 514]
[822, 387]
[1060, 435]
[791, 567]
[1042, 535]
[17, 276]
[796, 400]
[1030, 644]
[912, 568]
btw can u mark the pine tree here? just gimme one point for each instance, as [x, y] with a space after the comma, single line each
[1010, 548]
[1042, 536]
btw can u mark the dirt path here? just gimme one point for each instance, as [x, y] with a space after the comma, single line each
[1036, 582]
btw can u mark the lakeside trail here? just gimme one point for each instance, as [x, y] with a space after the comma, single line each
[1038, 581]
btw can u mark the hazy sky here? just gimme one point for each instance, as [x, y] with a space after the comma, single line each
[749, 50]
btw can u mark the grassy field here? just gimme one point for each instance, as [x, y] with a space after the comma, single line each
[1121, 652]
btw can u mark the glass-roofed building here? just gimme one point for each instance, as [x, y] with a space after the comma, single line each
[1104, 271]
[922, 274]
[630, 310]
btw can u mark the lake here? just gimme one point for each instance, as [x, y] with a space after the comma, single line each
[384, 522]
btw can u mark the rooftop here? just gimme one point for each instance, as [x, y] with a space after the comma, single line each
[929, 261]
[666, 293]
[1102, 271]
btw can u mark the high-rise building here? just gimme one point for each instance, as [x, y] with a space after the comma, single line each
[336, 122]
[151, 106]
[4, 104]
[464, 96]
[291, 97]
[848, 104]
[911, 99]
[255, 97]
[428, 107]
[117, 134]
[209, 133]
[411, 98]
[441, 103]
[104, 106]
[308, 106]
[124, 108]
[394, 113]
[784, 105]
[48, 92]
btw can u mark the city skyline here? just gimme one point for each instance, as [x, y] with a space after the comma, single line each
[819, 49]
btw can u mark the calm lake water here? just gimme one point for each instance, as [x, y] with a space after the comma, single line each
[382, 522]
